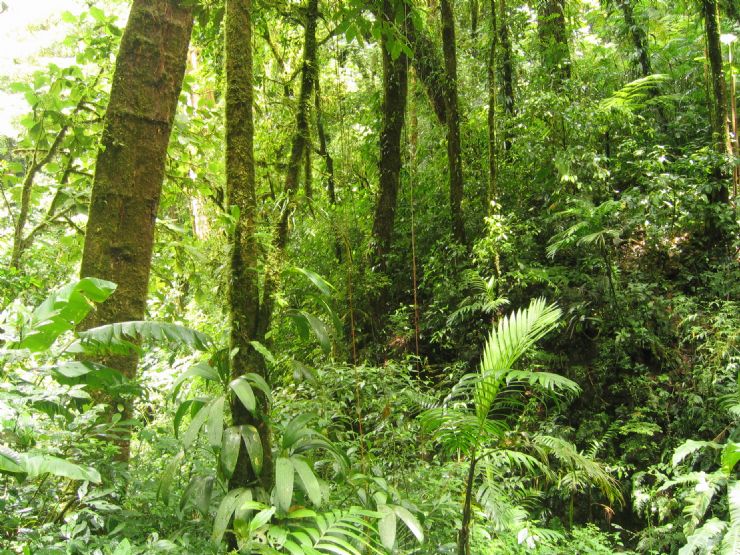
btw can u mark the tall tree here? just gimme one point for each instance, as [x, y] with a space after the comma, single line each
[244, 293]
[454, 149]
[553, 36]
[507, 67]
[301, 137]
[395, 92]
[718, 108]
[638, 36]
[491, 75]
[130, 165]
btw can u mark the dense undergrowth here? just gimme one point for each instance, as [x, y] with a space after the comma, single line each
[436, 402]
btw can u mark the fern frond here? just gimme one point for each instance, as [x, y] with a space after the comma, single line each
[705, 538]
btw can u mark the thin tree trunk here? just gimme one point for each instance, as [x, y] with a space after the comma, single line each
[244, 295]
[491, 69]
[301, 137]
[130, 166]
[507, 69]
[300, 142]
[454, 150]
[553, 37]
[395, 92]
[720, 131]
[429, 67]
[474, 14]
[639, 39]
[328, 160]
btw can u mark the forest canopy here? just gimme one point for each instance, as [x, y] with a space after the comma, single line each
[370, 277]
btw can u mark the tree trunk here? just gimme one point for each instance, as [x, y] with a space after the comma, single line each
[553, 37]
[395, 92]
[130, 166]
[301, 137]
[639, 39]
[491, 69]
[507, 69]
[454, 150]
[329, 161]
[244, 295]
[720, 131]
[428, 65]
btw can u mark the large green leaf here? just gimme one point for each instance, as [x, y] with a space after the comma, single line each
[97, 376]
[63, 310]
[308, 479]
[118, 337]
[196, 423]
[215, 425]
[200, 370]
[284, 474]
[225, 510]
[168, 476]
[240, 386]
[36, 465]
[387, 527]
[689, 447]
[730, 456]
[253, 444]
[411, 522]
[321, 284]
[230, 443]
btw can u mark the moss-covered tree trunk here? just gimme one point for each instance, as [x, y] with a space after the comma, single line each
[507, 69]
[553, 36]
[244, 294]
[638, 36]
[454, 149]
[718, 111]
[491, 71]
[395, 92]
[428, 65]
[130, 166]
[301, 138]
[300, 142]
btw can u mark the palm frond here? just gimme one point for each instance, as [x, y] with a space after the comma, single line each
[506, 344]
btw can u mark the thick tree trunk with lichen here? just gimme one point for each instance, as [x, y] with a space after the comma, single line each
[395, 92]
[720, 130]
[130, 166]
[454, 149]
[244, 294]
[553, 37]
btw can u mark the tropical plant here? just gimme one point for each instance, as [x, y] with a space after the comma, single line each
[481, 433]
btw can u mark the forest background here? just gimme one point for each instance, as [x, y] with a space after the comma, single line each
[400, 276]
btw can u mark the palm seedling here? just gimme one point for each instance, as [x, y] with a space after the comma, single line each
[472, 421]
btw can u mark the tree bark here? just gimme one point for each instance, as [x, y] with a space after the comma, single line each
[454, 149]
[720, 130]
[130, 165]
[244, 294]
[553, 37]
[639, 38]
[491, 70]
[301, 137]
[429, 67]
[507, 69]
[395, 92]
